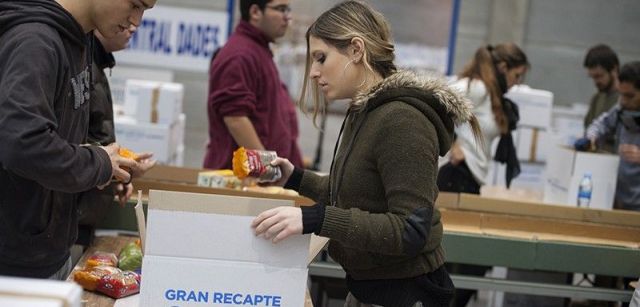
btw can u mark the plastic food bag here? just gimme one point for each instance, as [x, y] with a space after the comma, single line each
[89, 277]
[102, 258]
[119, 284]
[130, 257]
[256, 163]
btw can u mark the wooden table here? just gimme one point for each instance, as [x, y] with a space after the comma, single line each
[115, 244]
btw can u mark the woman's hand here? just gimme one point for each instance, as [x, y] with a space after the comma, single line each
[278, 223]
[286, 168]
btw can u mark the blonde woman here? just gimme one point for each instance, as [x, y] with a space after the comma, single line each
[377, 204]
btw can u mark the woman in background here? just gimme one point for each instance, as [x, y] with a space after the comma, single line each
[489, 75]
[377, 204]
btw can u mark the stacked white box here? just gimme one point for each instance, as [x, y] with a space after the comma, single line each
[534, 106]
[535, 121]
[153, 102]
[200, 250]
[161, 139]
[565, 169]
[18, 292]
[153, 120]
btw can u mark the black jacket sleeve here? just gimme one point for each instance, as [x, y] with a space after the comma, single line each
[32, 74]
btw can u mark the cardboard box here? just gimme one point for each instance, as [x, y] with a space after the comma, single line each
[222, 262]
[534, 106]
[160, 139]
[536, 221]
[27, 292]
[565, 169]
[153, 102]
[119, 75]
[531, 144]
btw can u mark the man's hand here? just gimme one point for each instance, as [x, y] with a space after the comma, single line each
[144, 164]
[278, 223]
[630, 153]
[117, 162]
[124, 192]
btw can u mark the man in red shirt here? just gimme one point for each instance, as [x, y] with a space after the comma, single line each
[248, 105]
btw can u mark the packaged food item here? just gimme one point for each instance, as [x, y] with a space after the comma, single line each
[256, 163]
[102, 258]
[130, 257]
[127, 153]
[120, 284]
[89, 277]
[223, 178]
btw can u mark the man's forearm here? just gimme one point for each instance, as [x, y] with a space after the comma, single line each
[243, 132]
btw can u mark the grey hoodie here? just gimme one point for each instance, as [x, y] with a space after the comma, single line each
[613, 123]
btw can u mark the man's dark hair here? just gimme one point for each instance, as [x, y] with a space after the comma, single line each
[603, 56]
[246, 4]
[630, 73]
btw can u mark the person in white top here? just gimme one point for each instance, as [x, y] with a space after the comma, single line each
[484, 80]
[491, 72]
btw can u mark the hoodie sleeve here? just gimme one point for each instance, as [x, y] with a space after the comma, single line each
[604, 125]
[31, 66]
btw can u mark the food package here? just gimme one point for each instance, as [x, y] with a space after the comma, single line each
[89, 277]
[120, 284]
[127, 153]
[257, 164]
[102, 258]
[130, 257]
[223, 178]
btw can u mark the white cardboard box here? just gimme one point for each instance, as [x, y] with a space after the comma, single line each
[119, 75]
[201, 251]
[531, 144]
[19, 292]
[534, 106]
[161, 139]
[565, 169]
[153, 102]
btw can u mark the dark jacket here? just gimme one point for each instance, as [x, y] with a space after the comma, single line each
[44, 115]
[93, 205]
[383, 223]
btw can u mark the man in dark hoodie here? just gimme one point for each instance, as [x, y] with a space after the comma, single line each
[44, 111]
[94, 204]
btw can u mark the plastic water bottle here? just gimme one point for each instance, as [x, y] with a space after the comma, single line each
[584, 191]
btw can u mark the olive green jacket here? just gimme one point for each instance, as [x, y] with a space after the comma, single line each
[383, 223]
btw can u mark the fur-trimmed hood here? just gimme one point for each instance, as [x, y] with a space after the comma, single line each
[454, 102]
[442, 105]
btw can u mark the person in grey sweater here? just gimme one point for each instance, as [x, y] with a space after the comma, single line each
[623, 121]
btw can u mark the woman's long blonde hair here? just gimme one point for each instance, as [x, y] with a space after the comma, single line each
[483, 67]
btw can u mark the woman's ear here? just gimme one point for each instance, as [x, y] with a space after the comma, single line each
[502, 67]
[357, 49]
